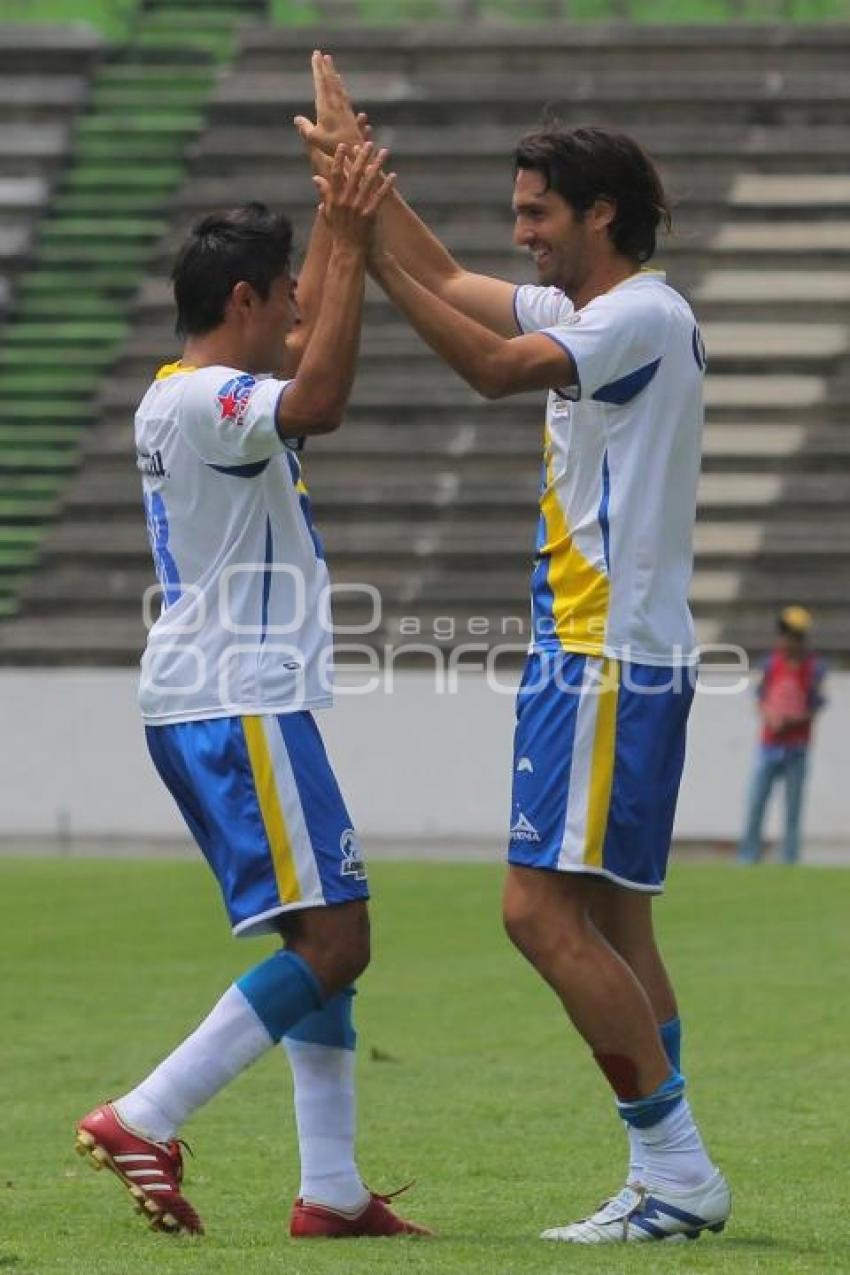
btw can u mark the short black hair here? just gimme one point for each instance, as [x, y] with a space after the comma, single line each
[249, 243]
[585, 164]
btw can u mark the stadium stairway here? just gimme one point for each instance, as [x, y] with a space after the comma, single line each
[44, 83]
[139, 107]
[428, 493]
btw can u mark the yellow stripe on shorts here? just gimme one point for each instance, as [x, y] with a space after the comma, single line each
[274, 822]
[602, 763]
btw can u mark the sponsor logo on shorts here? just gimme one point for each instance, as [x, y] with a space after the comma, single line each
[352, 858]
[524, 830]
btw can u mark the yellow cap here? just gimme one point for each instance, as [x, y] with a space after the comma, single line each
[796, 618]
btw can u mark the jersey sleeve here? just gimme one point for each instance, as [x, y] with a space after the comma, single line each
[536, 308]
[616, 343]
[230, 417]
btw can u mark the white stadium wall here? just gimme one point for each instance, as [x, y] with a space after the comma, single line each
[414, 764]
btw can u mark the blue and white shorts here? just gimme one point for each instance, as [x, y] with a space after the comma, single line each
[598, 756]
[262, 802]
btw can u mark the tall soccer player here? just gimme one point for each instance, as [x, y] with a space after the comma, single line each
[608, 684]
[233, 667]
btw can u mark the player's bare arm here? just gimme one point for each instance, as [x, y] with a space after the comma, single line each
[400, 230]
[308, 295]
[351, 194]
[494, 366]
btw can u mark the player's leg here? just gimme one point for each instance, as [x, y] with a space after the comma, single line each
[795, 780]
[624, 917]
[253, 832]
[321, 1053]
[547, 917]
[251, 1017]
[763, 778]
[599, 755]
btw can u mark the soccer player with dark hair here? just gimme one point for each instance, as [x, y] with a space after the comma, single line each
[234, 666]
[608, 684]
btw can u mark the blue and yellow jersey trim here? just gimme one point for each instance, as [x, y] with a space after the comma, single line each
[570, 594]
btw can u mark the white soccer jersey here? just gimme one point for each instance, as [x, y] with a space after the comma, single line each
[245, 621]
[620, 468]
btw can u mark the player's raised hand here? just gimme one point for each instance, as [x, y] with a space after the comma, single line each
[353, 191]
[336, 121]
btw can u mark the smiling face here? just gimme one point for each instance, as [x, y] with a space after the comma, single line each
[566, 247]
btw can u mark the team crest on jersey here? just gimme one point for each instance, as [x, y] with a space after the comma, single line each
[234, 397]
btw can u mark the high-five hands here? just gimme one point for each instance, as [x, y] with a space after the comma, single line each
[336, 121]
[353, 191]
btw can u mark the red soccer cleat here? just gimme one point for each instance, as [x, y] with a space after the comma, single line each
[317, 1222]
[151, 1171]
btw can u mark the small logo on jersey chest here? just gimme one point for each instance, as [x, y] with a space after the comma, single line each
[234, 397]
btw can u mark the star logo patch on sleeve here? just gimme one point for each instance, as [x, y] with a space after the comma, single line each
[234, 397]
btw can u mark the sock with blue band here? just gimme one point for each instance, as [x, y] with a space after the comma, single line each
[671, 1039]
[321, 1054]
[643, 1112]
[667, 1152]
[252, 1015]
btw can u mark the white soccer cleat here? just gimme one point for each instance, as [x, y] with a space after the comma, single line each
[639, 1213]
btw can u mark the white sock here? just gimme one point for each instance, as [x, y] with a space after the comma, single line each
[637, 1169]
[325, 1115]
[229, 1039]
[673, 1152]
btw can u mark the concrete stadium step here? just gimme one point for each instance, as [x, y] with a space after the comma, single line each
[664, 49]
[801, 446]
[488, 98]
[14, 241]
[34, 97]
[724, 590]
[787, 191]
[26, 194]
[776, 238]
[795, 287]
[676, 147]
[101, 497]
[508, 541]
[25, 149]
[33, 49]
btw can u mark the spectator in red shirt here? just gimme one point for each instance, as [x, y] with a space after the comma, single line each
[789, 695]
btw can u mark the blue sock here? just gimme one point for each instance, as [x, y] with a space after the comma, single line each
[331, 1025]
[643, 1112]
[671, 1039]
[281, 991]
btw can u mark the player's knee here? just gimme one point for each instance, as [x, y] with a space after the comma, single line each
[336, 946]
[521, 925]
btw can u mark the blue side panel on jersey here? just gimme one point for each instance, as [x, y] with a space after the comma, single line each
[267, 581]
[603, 512]
[306, 509]
[628, 387]
[542, 597]
[158, 534]
[241, 471]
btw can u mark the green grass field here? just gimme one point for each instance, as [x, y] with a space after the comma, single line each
[477, 1088]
